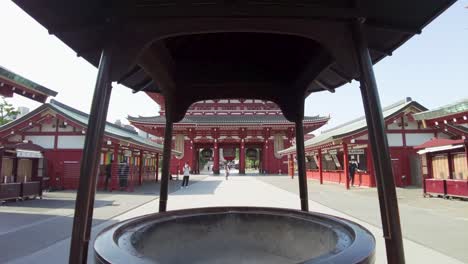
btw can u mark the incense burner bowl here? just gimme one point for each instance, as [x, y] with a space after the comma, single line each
[235, 235]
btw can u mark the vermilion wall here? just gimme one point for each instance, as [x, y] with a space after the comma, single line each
[360, 179]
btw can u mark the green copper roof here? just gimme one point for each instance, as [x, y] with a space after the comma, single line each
[82, 118]
[447, 110]
[356, 125]
[20, 80]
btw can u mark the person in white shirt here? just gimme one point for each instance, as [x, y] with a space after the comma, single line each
[185, 180]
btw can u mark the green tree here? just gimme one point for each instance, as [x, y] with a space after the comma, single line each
[7, 112]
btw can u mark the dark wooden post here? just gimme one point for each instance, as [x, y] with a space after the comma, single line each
[157, 167]
[166, 162]
[90, 161]
[140, 174]
[345, 165]
[301, 171]
[320, 165]
[380, 152]
[114, 167]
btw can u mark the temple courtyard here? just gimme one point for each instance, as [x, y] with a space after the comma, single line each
[42, 228]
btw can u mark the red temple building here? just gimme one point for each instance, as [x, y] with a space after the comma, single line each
[329, 153]
[444, 163]
[218, 129]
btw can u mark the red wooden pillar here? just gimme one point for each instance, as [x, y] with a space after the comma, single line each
[370, 166]
[114, 168]
[291, 165]
[140, 173]
[242, 157]
[466, 153]
[320, 165]
[216, 158]
[450, 165]
[157, 167]
[265, 157]
[345, 164]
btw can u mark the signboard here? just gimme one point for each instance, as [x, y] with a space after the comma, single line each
[356, 152]
[333, 152]
[21, 153]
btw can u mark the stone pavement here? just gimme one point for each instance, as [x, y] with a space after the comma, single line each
[34, 225]
[237, 191]
[436, 223]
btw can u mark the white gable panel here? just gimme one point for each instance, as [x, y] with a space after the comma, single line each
[418, 138]
[43, 141]
[443, 135]
[395, 140]
[70, 142]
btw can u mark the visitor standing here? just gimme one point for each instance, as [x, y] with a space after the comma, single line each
[108, 174]
[353, 167]
[185, 180]
[226, 170]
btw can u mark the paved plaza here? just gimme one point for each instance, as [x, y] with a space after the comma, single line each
[433, 228]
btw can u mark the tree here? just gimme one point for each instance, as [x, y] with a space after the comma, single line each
[7, 112]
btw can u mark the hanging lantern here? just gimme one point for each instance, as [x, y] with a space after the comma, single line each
[229, 153]
[207, 153]
[251, 153]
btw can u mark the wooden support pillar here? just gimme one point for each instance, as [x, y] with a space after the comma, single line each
[370, 166]
[242, 157]
[140, 173]
[380, 151]
[301, 168]
[14, 170]
[346, 165]
[450, 165]
[320, 165]
[266, 152]
[216, 158]
[90, 161]
[166, 161]
[157, 167]
[114, 168]
[291, 165]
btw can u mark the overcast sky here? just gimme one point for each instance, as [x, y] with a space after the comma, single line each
[432, 68]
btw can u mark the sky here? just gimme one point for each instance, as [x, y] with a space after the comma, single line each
[431, 68]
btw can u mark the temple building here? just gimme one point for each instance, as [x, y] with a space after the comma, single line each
[47, 145]
[444, 162]
[223, 129]
[329, 153]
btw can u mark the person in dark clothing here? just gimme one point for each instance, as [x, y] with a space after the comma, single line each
[108, 174]
[353, 167]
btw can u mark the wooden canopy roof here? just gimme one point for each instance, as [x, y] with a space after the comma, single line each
[273, 50]
[11, 82]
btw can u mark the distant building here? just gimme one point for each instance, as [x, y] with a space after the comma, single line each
[22, 111]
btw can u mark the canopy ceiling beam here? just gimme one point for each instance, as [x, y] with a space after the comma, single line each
[393, 28]
[380, 51]
[136, 69]
[316, 66]
[340, 75]
[157, 62]
[324, 86]
[144, 85]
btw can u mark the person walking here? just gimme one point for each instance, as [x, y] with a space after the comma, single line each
[185, 180]
[226, 170]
